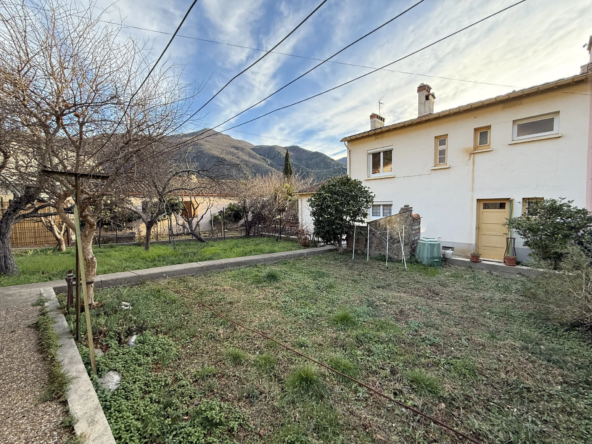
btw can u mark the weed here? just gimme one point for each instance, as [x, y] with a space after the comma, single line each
[57, 381]
[302, 342]
[250, 392]
[344, 319]
[272, 276]
[463, 367]
[236, 356]
[266, 362]
[204, 373]
[305, 383]
[343, 365]
[423, 382]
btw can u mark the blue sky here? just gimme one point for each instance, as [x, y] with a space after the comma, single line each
[535, 42]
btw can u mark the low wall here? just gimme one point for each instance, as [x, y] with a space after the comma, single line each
[402, 228]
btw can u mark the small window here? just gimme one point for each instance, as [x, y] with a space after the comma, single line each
[482, 138]
[381, 210]
[494, 205]
[380, 162]
[536, 126]
[528, 203]
[441, 153]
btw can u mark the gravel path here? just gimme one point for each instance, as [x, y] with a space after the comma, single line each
[23, 419]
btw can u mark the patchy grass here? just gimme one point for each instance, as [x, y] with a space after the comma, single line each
[466, 347]
[41, 265]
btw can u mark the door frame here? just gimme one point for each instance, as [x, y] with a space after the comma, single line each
[479, 201]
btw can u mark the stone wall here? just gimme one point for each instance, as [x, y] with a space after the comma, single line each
[404, 223]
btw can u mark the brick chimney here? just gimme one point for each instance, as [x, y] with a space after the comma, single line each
[425, 100]
[376, 121]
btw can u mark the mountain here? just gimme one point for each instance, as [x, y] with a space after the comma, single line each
[255, 160]
[343, 160]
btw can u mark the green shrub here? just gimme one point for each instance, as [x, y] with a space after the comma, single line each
[236, 356]
[550, 226]
[305, 383]
[423, 382]
[344, 319]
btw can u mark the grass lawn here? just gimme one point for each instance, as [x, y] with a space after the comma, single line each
[48, 264]
[466, 347]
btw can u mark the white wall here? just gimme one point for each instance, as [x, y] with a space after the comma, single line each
[446, 198]
[304, 217]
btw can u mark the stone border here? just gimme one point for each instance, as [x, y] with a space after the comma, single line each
[91, 424]
[169, 271]
[494, 267]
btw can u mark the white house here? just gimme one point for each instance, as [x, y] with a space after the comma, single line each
[465, 170]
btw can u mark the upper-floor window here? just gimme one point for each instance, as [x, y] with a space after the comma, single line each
[482, 138]
[536, 126]
[441, 151]
[380, 162]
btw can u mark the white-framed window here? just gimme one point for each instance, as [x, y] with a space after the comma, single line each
[380, 162]
[381, 210]
[482, 138]
[441, 150]
[536, 126]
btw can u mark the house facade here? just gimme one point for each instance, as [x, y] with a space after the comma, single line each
[466, 170]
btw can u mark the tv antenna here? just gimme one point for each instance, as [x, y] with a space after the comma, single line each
[379, 105]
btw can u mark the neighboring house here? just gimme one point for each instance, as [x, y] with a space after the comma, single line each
[466, 169]
[305, 220]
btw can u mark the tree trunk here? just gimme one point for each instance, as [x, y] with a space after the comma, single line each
[196, 236]
[8, 219]
[86, 239]
[149, 226]
[58, 233]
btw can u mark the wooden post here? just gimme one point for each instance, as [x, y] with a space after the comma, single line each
[387, 239]
[223, 216]
[368, 245]
[354, 244]
[212, 223]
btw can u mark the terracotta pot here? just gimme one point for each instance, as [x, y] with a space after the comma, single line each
[475, 258]
[510, 261]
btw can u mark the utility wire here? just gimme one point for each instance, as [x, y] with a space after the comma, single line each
[373, 390]
[317, 65]
[150, 72]
[359, 77]
[255, 62]
[304, 57]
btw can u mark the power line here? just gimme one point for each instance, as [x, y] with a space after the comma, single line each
[322, 63]
[304, 57]
[150, 72]
[364, 75]
[255, 62]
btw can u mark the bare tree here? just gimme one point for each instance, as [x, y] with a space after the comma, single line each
[58, 230]
[74, 84]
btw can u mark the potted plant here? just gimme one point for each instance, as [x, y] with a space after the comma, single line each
[510, 261]
[475, 257]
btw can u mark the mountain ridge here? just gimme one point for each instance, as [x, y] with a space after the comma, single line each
[258, 160]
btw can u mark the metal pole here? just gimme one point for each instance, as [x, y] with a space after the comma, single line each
[387, 239]
[402, 249]
[368, 245]
[223, 229]
[354, 245]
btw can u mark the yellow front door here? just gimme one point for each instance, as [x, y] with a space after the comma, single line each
[491, 231]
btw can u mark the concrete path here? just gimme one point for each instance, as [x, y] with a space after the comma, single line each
[23, 378]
